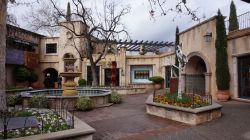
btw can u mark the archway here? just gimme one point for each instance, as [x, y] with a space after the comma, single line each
[53, 74]
[195, 79]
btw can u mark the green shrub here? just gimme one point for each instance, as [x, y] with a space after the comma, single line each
[23, 114]
[14, 100]
[84, 104]
[21, 74]
[116, 98]
[156, 79]
[39, 102]
[82, 82]
[32, 77]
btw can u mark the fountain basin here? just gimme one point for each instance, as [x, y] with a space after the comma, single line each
[70, 74]
[99, 97]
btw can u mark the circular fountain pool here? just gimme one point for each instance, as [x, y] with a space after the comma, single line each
[99, 97]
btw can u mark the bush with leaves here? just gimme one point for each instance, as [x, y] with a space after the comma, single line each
[21, 74]
[156, 79]
[14, 100]
[82, 82]
[116, 98]
[84, 104]
[39, 102]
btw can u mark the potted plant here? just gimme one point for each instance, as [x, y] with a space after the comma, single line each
[222, 70]
[157, 81]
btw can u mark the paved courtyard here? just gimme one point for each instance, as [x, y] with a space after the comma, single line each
[129, 121]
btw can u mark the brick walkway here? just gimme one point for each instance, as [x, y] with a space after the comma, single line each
[128, 121]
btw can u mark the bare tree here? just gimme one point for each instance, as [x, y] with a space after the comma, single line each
[103, 24]
[180, 7]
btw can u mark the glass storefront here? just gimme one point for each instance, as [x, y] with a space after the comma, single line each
[244, 77]
[140, 74]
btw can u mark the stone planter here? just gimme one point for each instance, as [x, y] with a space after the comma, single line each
[192, 116]
[223, 95]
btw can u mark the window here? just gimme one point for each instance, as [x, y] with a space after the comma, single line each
[141, 74]
[51, 48]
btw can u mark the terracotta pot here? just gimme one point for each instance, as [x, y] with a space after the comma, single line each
[35, 85]
[157, 86]
[223, 95]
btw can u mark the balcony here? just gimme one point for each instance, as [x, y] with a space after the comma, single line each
[243, 20]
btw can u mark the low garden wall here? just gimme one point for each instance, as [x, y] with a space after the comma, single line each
[81, 131]
[186, 115]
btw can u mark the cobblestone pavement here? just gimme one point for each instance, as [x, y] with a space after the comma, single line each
[128, 121]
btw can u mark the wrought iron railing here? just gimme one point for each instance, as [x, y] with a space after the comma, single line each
[243, 20]
[6, 116]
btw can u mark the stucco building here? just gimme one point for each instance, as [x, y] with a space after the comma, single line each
[133, 69]
[199, 46]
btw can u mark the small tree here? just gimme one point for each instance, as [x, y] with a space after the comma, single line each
[177, 40]
[233, 21]
[222, 70]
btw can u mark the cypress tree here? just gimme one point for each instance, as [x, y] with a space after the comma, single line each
[233, 21]
[222, 70]
[68, 14]
[177, 40]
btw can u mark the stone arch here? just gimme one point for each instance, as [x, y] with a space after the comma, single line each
[199, 54]
[52, 74]
[197, 74]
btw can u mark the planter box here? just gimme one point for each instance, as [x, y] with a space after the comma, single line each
[81, 131]
[186, 115]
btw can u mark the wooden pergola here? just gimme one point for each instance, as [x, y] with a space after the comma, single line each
[149, 46]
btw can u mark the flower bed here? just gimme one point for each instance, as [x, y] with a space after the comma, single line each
[48, 121]
[188, 100]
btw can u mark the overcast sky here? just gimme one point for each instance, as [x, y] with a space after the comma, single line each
[142, 27]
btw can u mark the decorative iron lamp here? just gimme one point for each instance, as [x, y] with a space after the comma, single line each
[208, 37]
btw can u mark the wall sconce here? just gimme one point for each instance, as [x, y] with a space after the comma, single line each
[208, 37]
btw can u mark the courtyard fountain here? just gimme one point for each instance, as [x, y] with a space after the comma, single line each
[70, 92]
[69, 87]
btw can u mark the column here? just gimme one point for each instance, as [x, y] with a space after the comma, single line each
[208, 83]
[235, 77]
